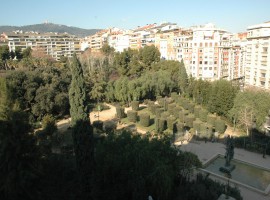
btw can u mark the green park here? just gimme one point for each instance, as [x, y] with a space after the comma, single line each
[126, 125]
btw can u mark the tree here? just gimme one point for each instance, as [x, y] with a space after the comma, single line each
[26, 53]
[107, 49]
[19, 156]
[49, 125]
[4, 52]
[183, 77]
[221, 97]
[149, 55]
[249, 106]
[82, 131]
[12, 54]
[18, 53]
[120, 173]
[4, 55]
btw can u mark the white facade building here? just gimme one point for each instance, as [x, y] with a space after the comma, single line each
[257, 69]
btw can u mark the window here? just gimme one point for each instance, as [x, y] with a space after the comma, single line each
[205, 62]
[200, 62]
[193, 62]
[215, 62]
[205, 68]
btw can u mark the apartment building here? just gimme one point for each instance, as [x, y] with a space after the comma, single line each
[200, 51]
[164, 40]
[119, 40]
[257, 68]
[54, 45]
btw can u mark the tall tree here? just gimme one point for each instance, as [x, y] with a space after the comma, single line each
[27, 52]
[18, 52]
[19, 156]
[149, 55]
[183, 77]
[82, 131]
[221, 97]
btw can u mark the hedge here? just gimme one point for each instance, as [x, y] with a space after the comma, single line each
[145, 119]
[171, 123]
[135, 105]
[132, 115]
[120, 112]
[220, 126]
[203, 115]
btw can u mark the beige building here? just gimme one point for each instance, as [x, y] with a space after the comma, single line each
[257, 68]
[54, 45]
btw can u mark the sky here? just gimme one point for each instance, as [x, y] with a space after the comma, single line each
[231, 15]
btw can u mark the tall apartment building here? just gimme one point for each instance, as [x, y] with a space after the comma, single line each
[201, 51]
[257, 68]
[119, 40]
[55, 45]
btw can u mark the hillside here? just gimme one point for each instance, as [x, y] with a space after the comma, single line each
[50, 27]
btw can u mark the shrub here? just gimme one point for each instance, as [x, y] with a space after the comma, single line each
[151, 107]
[180, 127]
[135, 105]
[120, 112]
[160, 124]
[182, 115]
[109, 126]
[220, 126]
[159, 111]
[189, 120]
[145, 119]
[191, 106]
[206, 130]
[211, 119]
[98, 124]
[171, 123]
[196, 125]
[171, 108]
[176, 111]
[132, 115]
[203, 115]
[185, 104]
[174, 95]
[165, 115]
[197, 110]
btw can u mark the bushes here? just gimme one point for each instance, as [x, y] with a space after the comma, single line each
[159, 111]
[132, 115]
[135, 105]
[145, 119]
[160, 124]
[98, 124]
[189, 120]
[197, 110]
[196, 125]
[171, 123]
[171, 108]
[120, 112]
[220, 126]
[203, 115]
[211, 119]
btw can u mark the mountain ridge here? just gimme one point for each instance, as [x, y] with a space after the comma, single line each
[50, 27]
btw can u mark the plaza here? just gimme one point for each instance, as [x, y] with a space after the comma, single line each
[206, 151]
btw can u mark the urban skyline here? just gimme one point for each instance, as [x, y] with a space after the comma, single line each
[233, 16]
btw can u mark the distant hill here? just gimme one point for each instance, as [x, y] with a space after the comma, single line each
[50, 27]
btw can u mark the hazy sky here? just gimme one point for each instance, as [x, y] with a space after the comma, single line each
[232, 15]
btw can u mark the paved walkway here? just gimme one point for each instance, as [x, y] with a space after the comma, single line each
[206, 151]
